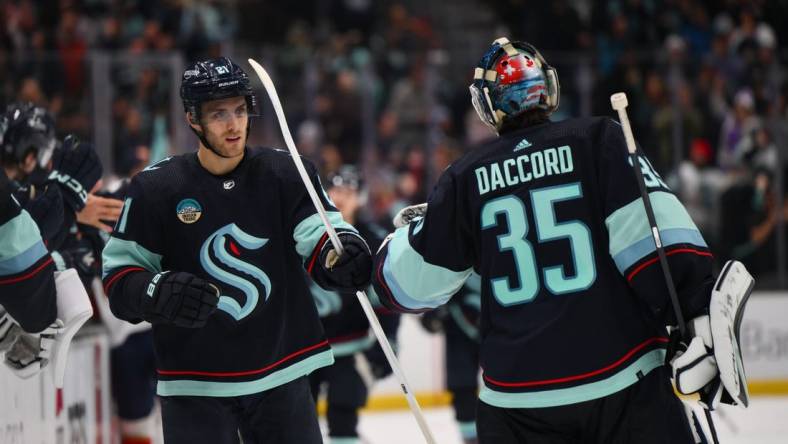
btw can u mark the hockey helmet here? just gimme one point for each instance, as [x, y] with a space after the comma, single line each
[347, 176]
[510, 79]
[27, 128]
[215, 79]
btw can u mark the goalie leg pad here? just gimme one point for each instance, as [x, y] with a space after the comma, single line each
[726, 309]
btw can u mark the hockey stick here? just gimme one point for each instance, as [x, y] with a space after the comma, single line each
[268, 84]
[619, 102]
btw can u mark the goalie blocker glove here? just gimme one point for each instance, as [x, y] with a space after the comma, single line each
[76, 168]
[712, 363]
[179, 298]
[694, 367]
[352, 271]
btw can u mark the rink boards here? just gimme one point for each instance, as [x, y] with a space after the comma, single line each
[32, 411]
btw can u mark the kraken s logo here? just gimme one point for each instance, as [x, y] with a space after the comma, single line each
[217, 242]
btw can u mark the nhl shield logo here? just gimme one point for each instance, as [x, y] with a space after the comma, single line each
[188, 211]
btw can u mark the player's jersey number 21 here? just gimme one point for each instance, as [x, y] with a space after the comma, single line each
[548, 229]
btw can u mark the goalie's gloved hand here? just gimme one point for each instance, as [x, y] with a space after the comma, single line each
[31, 352]
[693, 363]
[75, 168]
[9, 331]
[179, 298]
[352, 271]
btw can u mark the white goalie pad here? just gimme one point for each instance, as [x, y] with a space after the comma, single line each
[408, 214]
[73, 309]
[726, 309]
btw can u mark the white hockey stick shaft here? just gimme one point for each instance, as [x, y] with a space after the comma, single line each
[268, 84]
[619, 103]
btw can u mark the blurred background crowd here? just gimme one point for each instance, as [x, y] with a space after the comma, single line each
[383, 85]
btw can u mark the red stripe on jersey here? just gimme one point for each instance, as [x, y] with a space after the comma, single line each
[316, 253]
[244, 373]
[28, 275]
[667, 253]
[581, 376]
[119, 275]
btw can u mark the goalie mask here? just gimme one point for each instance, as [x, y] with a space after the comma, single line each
[215, 79]
[511, 79]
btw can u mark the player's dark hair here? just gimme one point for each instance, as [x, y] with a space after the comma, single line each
[524, 120]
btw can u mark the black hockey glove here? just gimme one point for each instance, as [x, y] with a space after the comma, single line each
[179, 298]
[82, 258]
[433, 320]
[76, 168]
[378, 364]
[350, 272]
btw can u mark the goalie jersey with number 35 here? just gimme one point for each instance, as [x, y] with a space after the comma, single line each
[574, 302]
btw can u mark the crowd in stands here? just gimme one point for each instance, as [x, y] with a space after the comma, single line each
[362, 83]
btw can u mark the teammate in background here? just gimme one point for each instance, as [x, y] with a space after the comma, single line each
[459, 321]
[574, 302]
[38, 177]
[209, 248]
[359, 360]
[51, 182]
[27, 285]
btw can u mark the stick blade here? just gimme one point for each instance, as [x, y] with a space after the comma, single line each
[619, 101]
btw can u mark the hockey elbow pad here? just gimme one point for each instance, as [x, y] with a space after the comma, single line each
[352, 271]
[179, 298]
[695, 367]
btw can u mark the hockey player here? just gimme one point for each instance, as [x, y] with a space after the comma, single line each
[28, 309]
[209, 249]
[574, 303]
[359, 360]
[51, 182]
[459, 321]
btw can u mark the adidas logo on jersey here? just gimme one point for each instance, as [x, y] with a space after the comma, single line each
[522, 145]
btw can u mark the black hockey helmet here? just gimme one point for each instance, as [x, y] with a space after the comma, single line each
[347, 176]
[27, 128]
[215, 79]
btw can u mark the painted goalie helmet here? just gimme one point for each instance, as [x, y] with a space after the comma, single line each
[511, 79]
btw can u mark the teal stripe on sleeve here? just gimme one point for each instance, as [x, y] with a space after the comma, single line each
[123, 253]
[18, 235]
[581, 393]
[23, 260]
[630, 232]
[309, 231]
[186, 387]
[642, 248]
[415, 283]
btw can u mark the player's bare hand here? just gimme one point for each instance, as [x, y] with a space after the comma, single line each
[98, 209]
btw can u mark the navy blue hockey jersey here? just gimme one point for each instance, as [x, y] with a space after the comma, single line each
[251, 232]
[574, 304]
[27, 284]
